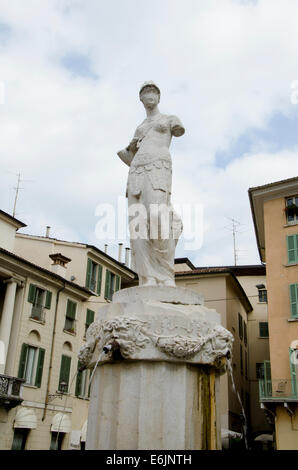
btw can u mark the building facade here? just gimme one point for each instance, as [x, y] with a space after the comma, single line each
[44, 314]
[275, 214]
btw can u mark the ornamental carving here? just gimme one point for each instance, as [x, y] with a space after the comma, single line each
[148, 339]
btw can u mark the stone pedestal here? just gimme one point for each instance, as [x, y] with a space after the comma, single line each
[159, 353]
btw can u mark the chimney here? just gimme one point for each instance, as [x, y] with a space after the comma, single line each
[48, 231]
[106, 248]
[59, 264]
[127, 257]
[120, 252]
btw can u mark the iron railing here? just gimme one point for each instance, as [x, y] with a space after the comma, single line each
[279, 389]
[11, 389]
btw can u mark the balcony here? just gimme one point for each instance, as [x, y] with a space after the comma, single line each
[282, 390]
[10, 391]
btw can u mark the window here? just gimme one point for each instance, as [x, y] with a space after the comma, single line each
[56, 440]
[263, 329]
[292, 210]
[240, 326]
[64, 373]
[89, 319]
[112, 284]
[70, 317]
[245, 333]
[241, 359]
[294, 300]
[263, 295]
[93, 276]
[40, 299]
[19, 439]
[292, 245]
[82, 383]
[31, 364]
[260, 370]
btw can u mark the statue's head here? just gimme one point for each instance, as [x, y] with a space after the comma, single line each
[149, 94]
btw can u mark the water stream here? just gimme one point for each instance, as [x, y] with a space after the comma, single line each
[244, 426]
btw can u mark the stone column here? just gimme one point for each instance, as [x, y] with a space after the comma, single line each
[158, 353]
[7, 316]
[15, 328]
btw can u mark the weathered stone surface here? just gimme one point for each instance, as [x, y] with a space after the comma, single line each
[156, 331]
[174, 295]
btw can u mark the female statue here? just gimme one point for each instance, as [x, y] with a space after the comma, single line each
[149, 190]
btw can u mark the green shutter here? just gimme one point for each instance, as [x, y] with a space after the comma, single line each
[294, 300]
[89, 273]
[292, 242]
[71, 309]
[48, 299]
[293, 373]
[89, 317]
[267, 379]
[99, 278]
[117, 283]
[78, 381]
[23, 358]
[31, 293]
[64, 371]
[39, 367]
[108, 284]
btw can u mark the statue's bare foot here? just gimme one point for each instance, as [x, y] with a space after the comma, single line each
[149, 281]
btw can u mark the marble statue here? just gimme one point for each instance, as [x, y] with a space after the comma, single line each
[156, 352]
[149, 186]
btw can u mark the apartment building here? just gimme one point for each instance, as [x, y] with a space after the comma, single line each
[50, 292]
[275, 214]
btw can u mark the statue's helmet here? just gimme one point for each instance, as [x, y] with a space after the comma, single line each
[149, 85]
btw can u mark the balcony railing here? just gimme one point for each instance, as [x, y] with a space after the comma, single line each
[11, 389]
[280, 389]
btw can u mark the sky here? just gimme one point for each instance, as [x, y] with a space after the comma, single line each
[71, 71]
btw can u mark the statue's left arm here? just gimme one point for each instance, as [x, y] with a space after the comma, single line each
[177, 128]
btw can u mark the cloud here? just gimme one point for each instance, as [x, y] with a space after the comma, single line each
[72, 71]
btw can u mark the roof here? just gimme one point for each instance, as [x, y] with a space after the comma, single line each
[46, 271]
[12, 219]
[218, 270]
[102, 253]
[184, 261]
[258, 196]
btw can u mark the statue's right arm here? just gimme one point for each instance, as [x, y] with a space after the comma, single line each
[128, 153]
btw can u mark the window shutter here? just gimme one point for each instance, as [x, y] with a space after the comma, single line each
[71, 309]
[48, 299]
[294, 300]
[89, 273]
[64, 371]
[117, 283]
[39, 367]
[89, 317]
[240, 326]
[108, 284]
[293, 372]
[31, 293]
[23, 358]
[78, 381]
[99, 277]
[292, 242]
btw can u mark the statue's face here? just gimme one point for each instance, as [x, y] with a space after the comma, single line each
[149, 97]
